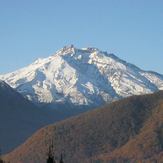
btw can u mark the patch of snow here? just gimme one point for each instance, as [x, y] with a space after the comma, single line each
[82, 77]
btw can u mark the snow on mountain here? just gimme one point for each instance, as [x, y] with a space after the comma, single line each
[20, 118]
[82, 77]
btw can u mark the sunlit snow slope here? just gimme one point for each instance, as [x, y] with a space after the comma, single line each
[85, 76]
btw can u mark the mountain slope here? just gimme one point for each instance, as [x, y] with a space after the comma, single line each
[19, 118]
[81, 77]
[105, 130]
[147, 146]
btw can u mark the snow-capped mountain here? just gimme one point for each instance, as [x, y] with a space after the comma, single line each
[84, 76]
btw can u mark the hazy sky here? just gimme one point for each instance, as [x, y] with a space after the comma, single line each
[131, 29]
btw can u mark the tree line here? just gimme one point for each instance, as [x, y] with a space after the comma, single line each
[50, 158]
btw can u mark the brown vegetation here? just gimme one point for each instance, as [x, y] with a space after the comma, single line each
[128, 130]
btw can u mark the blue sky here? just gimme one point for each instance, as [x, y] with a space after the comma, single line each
[131, 29]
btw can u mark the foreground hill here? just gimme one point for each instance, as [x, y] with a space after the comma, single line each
[126, 130]
[146, 146]
[19, 118]
[82, 77]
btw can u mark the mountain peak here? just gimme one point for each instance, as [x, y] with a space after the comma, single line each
[85, 76]
[91, 49]
[66, 49]
[71, 49]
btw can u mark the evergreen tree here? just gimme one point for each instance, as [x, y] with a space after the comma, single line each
[1, 161]
[50, 158]
[61, 160]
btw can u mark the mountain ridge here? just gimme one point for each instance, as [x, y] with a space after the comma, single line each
[84, 76]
